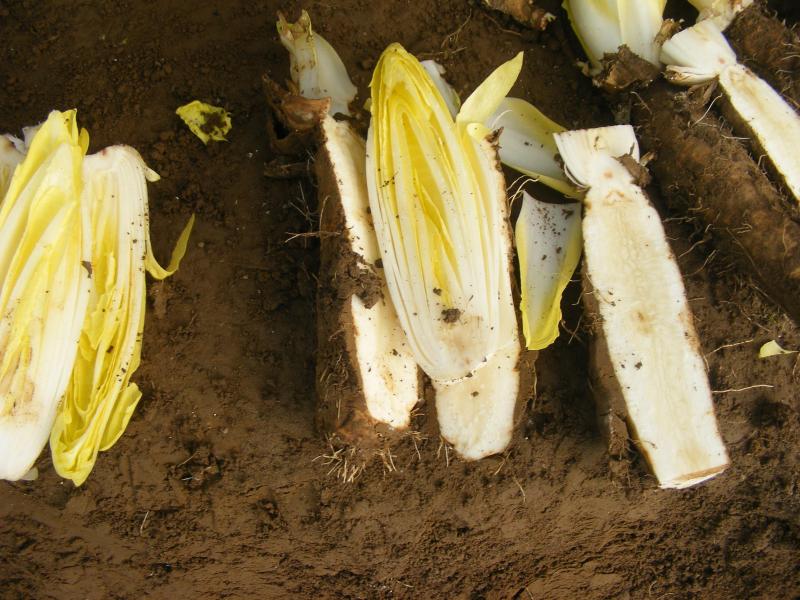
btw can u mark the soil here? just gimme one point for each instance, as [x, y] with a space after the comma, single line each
[221, 487]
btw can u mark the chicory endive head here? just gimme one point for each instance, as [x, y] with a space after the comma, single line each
[438, 202]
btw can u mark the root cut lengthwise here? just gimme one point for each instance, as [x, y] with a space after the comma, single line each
[648, 358]
[703, 169]
[366, 375]
[770, 48]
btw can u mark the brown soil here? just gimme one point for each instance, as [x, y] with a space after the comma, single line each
[222, 488]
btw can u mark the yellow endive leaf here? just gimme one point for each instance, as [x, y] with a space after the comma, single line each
[205, 121]
[483, 102]
[773, 348]
[548, 238]
[101, 398]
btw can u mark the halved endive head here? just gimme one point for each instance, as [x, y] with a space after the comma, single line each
[100, 398]
[45, 276]
[316, 68]
[602, 26]
[721, 12]
[437, 198]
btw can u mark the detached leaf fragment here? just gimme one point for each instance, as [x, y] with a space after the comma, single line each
[773, 348]
[206, 121]
[548, 238]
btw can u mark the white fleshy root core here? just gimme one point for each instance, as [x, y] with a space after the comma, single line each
[387, 370]
[645, 317]
[476, 414]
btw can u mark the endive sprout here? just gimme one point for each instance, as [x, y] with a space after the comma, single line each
[315, 66]
[438, 202]
[74, 246]
[439, 208]
[602, 26]
[699, 54]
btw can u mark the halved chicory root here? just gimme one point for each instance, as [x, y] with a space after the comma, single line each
[367, 380]
[699, 54]
[701, 168]
[366, 374]
[644, 321]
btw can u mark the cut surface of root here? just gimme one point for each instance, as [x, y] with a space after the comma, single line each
[476, 414]
[645, 318]
[360, 335]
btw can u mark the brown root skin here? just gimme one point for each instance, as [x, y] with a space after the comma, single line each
[292, 120]
[624, 70]
[341, 409]
[524, 12]
[770, 48]
[609, 400]
[703, 169]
